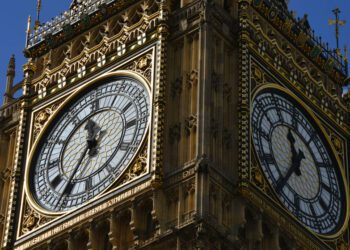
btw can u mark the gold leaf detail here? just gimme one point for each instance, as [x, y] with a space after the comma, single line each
[42, 117]
[138, 168]
[142, 65]
[32, 220]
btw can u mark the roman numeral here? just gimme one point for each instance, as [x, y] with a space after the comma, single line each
[312, 136]
[113, 101]
[75, 121]
[88, 184]
[264, 134]
[329, 190]
[96, 105]
[69, 188]
[131, 123]
[313, 210]
[274, 101]
[127, 107]
[57, 180]
[53, 164]
[109, 168]
[297, 203]
[323, 204]
[294, 120]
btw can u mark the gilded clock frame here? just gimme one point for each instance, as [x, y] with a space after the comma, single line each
[329, 146]
[75, 94]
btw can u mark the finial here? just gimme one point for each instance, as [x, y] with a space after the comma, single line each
[29, 23]
[9, 80]
[38, 9]
[337, 23]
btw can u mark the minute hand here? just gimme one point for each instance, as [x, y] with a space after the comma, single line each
[72, 175]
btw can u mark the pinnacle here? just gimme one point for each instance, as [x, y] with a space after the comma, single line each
[11, 66]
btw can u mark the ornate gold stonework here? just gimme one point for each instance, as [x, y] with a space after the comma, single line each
[138, 168]
[32, 219]
[142, 65]
[41, 118]
[195, 182]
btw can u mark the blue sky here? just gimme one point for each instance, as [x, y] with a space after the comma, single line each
[13, 22]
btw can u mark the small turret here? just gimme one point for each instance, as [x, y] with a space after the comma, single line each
[38, 9]
[10, 76]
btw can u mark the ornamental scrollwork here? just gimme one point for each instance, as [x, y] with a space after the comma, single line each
[338, 145]
[138, 168]
[143, 66]
[257, 176]
[32, 219]
[41, 118]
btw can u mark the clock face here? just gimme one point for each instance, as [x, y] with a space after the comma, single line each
[91, 143]
[297, 162]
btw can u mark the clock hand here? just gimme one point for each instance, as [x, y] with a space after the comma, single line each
[295, 157]
[295, 165]
[291, 140]
[68, 185]
[82, 172]
[92, 130]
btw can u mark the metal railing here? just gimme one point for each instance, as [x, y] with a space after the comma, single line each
[69, 17]
[325, 51]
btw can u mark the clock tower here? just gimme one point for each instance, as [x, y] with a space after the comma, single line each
[162, 124]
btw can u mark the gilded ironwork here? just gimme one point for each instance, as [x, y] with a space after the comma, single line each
[138, 168]
[32, 219]
[142, 65]
[42, 117]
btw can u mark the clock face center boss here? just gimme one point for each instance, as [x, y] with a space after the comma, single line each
[89, 144]
[298, 162]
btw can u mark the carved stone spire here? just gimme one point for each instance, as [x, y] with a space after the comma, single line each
[10, 76]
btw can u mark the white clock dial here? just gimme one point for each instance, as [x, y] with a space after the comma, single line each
[297, 162]
[91, 143]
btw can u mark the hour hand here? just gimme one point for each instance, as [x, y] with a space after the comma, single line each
[93, 129]
[297, 163]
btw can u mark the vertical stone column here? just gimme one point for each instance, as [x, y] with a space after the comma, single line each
[10, 76]
[253, 231]
[20, 151]
[93, 236]
[134, 227]
[159, 106]
[274, 241]
[113, 229]
[70, 241]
